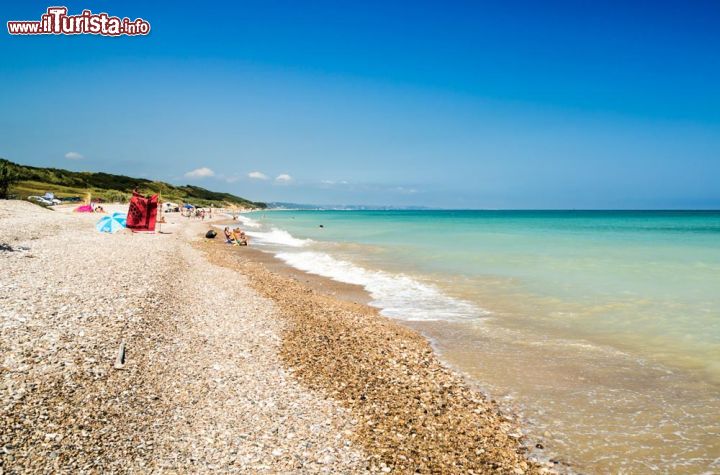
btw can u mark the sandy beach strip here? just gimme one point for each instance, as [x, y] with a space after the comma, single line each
[229, 366]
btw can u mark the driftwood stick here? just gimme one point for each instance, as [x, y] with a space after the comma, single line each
[120, 360]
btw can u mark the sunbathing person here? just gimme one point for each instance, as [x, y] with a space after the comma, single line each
[228, 236]
[240, 238]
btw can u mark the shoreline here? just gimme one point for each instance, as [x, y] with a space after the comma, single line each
[603, 407]
[237, 371]
[302, 295]
[358, 295]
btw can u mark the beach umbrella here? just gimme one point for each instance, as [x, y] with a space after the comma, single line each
[188, 206]
[111, 224]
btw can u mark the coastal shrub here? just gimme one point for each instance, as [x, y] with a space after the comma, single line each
[8, 177]
[116, 197]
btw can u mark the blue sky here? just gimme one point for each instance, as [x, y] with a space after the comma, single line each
[447, 104]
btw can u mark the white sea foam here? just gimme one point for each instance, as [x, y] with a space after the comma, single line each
[248, 222]
[398, 296]
[278, 236]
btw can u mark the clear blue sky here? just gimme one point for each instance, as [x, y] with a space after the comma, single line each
[451, 104]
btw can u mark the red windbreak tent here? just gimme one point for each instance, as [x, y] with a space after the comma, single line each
[142, 213]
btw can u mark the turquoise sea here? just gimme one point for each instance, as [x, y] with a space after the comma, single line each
[602, 328]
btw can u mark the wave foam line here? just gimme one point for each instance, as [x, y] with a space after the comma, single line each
[397, 296]
[247, 222]
[278, 236]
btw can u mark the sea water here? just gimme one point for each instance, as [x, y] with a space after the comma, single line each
[601, 327]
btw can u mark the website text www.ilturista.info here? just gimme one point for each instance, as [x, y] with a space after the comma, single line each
[56, 21]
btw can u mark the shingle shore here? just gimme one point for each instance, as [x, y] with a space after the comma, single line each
[229, 367]
[409, 412]
[203, 387]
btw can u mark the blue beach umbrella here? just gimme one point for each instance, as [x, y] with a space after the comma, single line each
[111, 224]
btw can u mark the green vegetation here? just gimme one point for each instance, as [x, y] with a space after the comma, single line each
[26, 181]
[8, 177]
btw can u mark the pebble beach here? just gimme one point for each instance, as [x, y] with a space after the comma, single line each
[228, 366]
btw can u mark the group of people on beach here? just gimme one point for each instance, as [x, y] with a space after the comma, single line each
[197, 213]
[236, 236]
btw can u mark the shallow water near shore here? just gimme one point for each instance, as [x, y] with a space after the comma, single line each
[601, 328]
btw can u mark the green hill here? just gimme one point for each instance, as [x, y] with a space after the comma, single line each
[109, 187]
